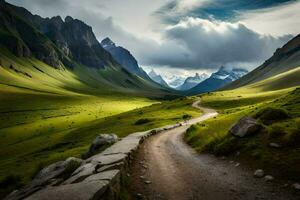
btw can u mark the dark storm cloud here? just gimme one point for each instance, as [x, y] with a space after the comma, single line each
[205, 44]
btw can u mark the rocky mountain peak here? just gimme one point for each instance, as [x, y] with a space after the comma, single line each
[68, 19]
[152, 73]
[107, 42]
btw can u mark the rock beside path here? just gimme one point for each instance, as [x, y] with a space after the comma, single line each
[99, 142]
[259, 173]
[246, 126]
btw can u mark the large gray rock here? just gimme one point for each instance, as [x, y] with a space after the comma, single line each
[50, 175]
[245, 126]
[100, 141]
[81, 173]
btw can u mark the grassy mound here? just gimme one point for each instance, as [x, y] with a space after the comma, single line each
[270, 115]
[142, 121]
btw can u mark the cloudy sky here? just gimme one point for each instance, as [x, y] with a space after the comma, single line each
[182, 37]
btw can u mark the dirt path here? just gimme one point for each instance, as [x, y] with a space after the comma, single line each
[167, 168]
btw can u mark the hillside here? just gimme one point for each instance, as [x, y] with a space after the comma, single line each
[279, 93]
[68, 46]
[284, 59]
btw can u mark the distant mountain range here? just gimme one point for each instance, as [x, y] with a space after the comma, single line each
[124, 57]
[284, 59]
[175, 81]
[192, 81]
[157, 78]
[217, 80]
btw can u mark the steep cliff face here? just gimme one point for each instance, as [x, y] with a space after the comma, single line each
[77, 41]
[23, 39]
[51, 40]
[124, 57]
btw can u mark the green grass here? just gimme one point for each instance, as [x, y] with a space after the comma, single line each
[37, 129]
[48, 114]
[253, 100]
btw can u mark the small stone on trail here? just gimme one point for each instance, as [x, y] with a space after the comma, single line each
[286, 185]
[296, 186]
[274, 145]
[231, 161]
[237, 164]
[147, 182]
[145, 167]
[259, 173]
[139, 195]
[142, 177]
[269, 178]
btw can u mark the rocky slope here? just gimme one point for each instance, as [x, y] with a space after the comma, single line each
[124, 57]
[191, 82]
[284, 59]
[217, 80]
[157, 78]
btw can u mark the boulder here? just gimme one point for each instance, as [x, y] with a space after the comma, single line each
[259, 173]
[100, 141]
[245, 126]
[51, 175]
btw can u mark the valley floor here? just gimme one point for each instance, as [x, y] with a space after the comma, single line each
[37, 129]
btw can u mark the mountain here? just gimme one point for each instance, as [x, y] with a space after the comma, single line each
[174, 81]
[191, 82]
[217, 80]
[68, 46]
[157, 78]
[124, 57]
[284, 59]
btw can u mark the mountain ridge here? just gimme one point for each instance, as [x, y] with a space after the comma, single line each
[192, 81]
[124, 58]
[283, 59]
[217, 80]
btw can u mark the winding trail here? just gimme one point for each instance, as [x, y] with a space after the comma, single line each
[177, 172]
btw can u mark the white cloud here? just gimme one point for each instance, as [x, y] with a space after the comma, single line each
[275, 21]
